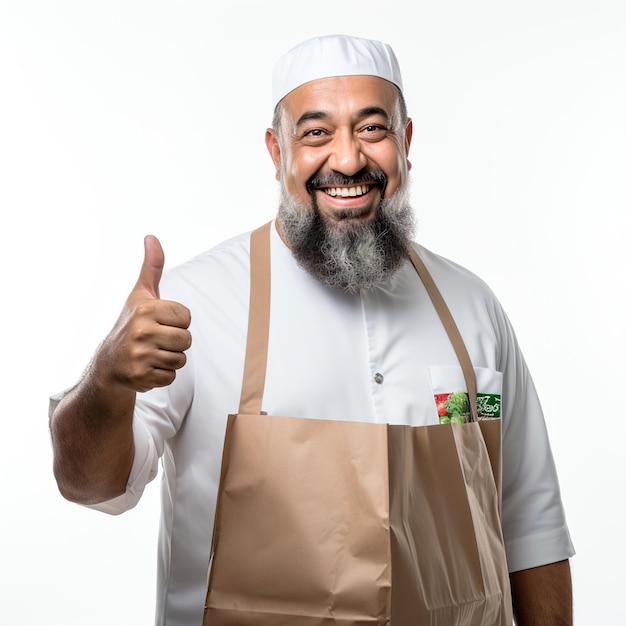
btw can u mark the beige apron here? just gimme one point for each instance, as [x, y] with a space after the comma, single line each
[323, 522]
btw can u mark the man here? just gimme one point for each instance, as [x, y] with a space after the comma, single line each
[352, 334]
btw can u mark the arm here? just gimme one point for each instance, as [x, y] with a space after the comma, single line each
[91, 428]
[542, 596]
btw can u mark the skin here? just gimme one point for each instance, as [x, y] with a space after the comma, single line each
[542, 596]
[343, 124]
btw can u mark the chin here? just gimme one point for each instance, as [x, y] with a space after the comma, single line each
[348, 217]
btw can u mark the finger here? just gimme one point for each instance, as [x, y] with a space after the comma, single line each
[170, 313]
[157, 378]
[163, 312]
[152, 268]
[156, 369]
[143, 339]
[173, 339]
[162, 371]
[170, 360]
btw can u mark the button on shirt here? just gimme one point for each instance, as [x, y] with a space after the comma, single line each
[332, 355]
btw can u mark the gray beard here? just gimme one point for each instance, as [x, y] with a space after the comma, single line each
[351, 256]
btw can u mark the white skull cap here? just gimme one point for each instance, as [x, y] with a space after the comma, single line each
[333, 55]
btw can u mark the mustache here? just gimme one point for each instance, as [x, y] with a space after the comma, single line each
[332, 179]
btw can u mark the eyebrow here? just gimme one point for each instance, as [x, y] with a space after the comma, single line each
[321, 115]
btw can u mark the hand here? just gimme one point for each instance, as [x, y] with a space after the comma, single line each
[148, 342]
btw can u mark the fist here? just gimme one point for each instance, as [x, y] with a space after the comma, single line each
[148, 342]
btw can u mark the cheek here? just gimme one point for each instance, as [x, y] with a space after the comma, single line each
[394, 162]
[395, 166]
[300, 167]
[388, 155]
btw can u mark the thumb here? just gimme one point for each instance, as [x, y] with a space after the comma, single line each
[152, 268]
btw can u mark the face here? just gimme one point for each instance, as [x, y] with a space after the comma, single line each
[341, 158]
[341, 146]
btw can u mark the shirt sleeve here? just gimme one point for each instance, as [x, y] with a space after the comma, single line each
[144, 468]
[533, 518]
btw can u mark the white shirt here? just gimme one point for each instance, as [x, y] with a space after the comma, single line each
[378, 356]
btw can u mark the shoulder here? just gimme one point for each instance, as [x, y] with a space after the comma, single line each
[229, 254]
[216, 271]
[452, 277]
[468, 296]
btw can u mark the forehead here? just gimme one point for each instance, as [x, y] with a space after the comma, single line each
[341, 96]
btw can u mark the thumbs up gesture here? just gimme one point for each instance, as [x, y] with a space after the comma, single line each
[148, 342]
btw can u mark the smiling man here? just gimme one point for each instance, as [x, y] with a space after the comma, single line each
[353, 335]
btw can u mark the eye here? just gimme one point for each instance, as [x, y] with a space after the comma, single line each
[373, 132]
[315, 136]
[315, 132]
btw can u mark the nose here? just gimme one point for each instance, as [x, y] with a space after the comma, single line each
[346, 156]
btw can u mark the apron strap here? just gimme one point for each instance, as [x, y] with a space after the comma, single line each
[259, 323]
[451, 329]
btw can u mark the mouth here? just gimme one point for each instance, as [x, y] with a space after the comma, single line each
[346, 192]
[336, 185]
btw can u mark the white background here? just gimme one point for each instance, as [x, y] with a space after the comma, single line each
[123, 118]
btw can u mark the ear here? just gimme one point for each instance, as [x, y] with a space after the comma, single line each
[271, 141]
[408, 135]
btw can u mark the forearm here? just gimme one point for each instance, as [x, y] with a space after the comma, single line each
[92, 440]
[542, 596]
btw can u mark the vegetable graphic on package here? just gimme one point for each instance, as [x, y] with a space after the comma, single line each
[452, 400]
[454, 407]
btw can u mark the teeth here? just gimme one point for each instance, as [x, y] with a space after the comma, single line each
[346, 192]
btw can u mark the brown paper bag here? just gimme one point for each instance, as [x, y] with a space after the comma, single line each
[335, 522]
